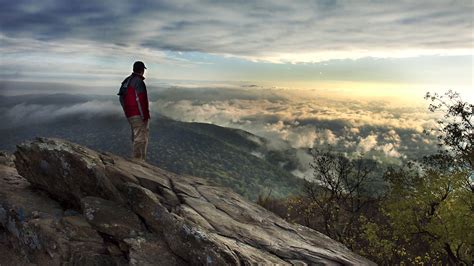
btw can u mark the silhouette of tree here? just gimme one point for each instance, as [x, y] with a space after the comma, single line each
[431, 202]
[455, 130]
[338, 194]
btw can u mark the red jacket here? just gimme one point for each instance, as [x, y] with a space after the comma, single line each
[134, 97]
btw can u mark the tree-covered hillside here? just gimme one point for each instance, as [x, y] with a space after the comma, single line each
[217, 153]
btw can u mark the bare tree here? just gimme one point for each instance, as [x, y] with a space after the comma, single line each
[338, 193]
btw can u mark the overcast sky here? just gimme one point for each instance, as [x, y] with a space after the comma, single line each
[371, 47]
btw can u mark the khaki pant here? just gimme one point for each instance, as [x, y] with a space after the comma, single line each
[140, 132]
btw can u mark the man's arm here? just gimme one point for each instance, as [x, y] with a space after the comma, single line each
[143, 99]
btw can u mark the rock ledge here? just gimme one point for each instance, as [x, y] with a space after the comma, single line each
[67, 204]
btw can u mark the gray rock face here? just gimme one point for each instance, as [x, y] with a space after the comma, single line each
[127, 212]
[110, 218]
[36, 229]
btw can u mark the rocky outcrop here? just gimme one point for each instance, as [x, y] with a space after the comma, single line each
[71, 205]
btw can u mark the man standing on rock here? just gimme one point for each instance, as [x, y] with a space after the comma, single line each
[134, 101]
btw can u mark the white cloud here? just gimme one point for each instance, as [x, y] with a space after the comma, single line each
[23, 114]
[368, 143]
[390, 151]
[354, 130]
[302, 137]
[330, 137]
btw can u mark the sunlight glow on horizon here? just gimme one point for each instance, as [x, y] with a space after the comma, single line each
[324, 56]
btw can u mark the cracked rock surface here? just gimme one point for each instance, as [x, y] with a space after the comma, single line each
[67, 204]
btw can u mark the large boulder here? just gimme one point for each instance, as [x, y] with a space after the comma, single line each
[138, 213]
[36, 229]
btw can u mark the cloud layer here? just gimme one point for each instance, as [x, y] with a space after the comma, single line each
[296, 119]
[276, 31]
[293, 120]
[379, 129]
